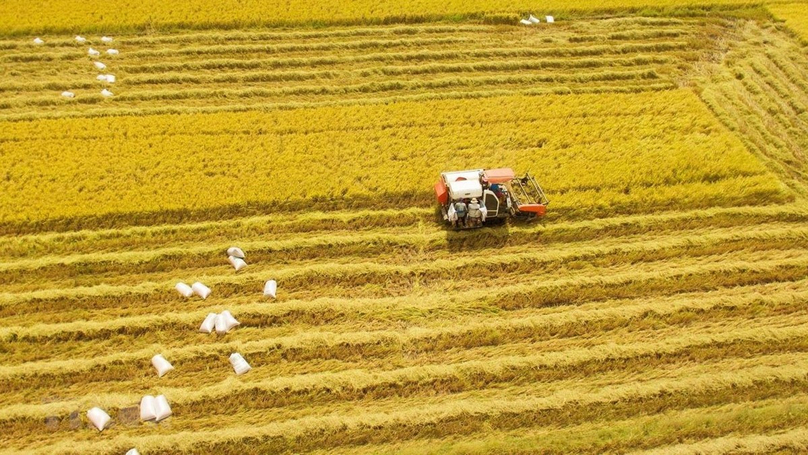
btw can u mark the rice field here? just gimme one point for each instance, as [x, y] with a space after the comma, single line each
[795, 16]
[659, 308]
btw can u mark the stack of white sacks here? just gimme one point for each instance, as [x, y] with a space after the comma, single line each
[236, 258]
[535, 20]
[222, 322]
[197, 288]
[154, 408]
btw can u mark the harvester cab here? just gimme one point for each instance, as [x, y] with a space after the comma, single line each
[473, 198]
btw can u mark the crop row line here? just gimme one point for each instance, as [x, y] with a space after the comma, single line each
[321, 343]
[400, 424]
[462, 54]
[229, 37]
[430, 246]
[352, 385]
[266, 106]
[361, 88]
[511, 342]
[302, 277]
[782, 415]
[295, 224]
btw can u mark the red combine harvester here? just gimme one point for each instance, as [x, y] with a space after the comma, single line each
[470, 199]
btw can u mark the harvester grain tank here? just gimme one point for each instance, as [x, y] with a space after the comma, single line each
[473, 198]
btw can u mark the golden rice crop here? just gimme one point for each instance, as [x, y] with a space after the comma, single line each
[102, 16]
[672, 155]
[659, 306]
[795, 15]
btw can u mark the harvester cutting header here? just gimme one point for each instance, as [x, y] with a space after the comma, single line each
[472, 198]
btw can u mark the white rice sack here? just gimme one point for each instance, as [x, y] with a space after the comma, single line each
[132, 452]
[110, 78]
[239, 364]
[38, 40]
[100, 66]
[525, 22]
[68, 94]
[80, 39]
[221, 324]
[209, 323]
[106, 93]
[112, 51]
[270, 288]
[237, 263]
[550, 19]
[161, 408]
[147, 408]
[161, 364]
[534, 19]
[106, 39]
[184, 289]
[229, 320]
[93, 53]
[235, 252]
[101, 77]
[201, 290]
[98, 417]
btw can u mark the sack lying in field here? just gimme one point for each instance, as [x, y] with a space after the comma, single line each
[80, 39]
[106, 39]
[235, 252]
[106, 77]
[98, 417]
[93, 53]
[534, 19]
[221, 325]
[38, 40]
[68, 94]
[184, 289]
[239, 364]
[100, 65]
[161, 408]
[101, 77]
[201, 290]
[161, 364]
[237, 263]
[525, 22]
[132, 452]
[225, 322]
[270, 288]
[147, 405]
[229, 320]
[112, 51]
[550, 19]
[209, 323]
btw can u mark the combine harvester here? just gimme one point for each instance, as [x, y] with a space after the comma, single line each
[470, 199]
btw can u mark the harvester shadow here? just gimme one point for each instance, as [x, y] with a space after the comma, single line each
[484, 238]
